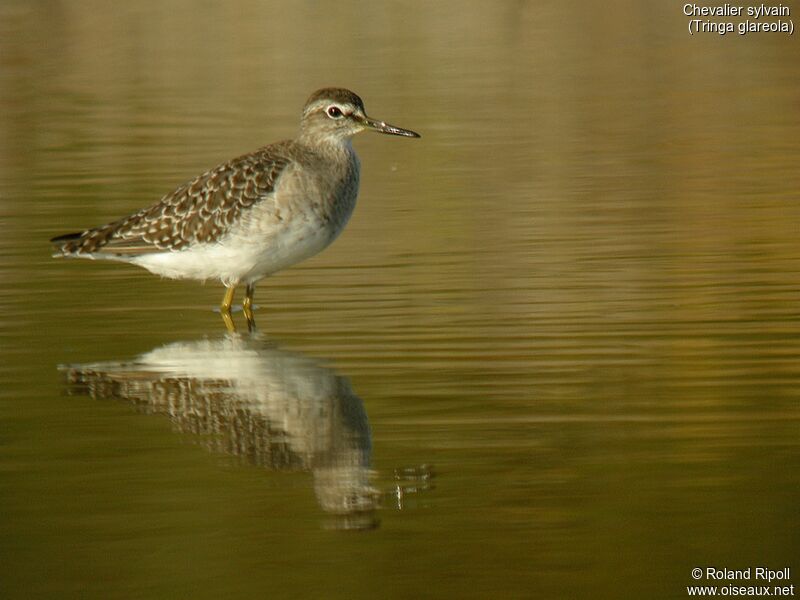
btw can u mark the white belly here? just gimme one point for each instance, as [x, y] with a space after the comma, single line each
[243, 257]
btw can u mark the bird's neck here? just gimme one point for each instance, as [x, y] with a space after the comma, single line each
[325, 143]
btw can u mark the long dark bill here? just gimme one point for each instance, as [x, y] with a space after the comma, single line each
[383, 127]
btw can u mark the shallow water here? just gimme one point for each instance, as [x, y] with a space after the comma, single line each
[554, 354]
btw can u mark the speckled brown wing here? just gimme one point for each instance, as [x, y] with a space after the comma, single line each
[202, 210]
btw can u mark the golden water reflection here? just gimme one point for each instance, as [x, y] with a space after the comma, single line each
[243, 396]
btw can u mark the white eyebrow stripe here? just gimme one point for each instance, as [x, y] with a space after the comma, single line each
[323, 105]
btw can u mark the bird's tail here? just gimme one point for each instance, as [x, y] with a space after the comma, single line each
[67, 244]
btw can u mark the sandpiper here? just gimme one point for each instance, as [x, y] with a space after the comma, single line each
[251, 216]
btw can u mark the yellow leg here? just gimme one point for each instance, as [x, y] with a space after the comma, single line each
[227, 299]
[247, 307]
[225, 309]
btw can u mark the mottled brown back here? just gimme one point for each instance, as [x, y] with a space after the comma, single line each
[199, 211]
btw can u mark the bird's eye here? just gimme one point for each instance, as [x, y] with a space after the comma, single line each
[334, 112]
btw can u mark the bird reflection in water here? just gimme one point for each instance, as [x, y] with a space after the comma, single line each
[279, 410]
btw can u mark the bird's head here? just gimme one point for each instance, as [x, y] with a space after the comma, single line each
[337, 114]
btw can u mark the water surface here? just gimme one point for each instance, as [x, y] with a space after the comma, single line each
[554, 354]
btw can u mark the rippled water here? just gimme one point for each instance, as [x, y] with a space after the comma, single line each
[554, 354]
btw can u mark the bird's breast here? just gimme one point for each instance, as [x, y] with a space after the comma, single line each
[321, 190]
[308, 209]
